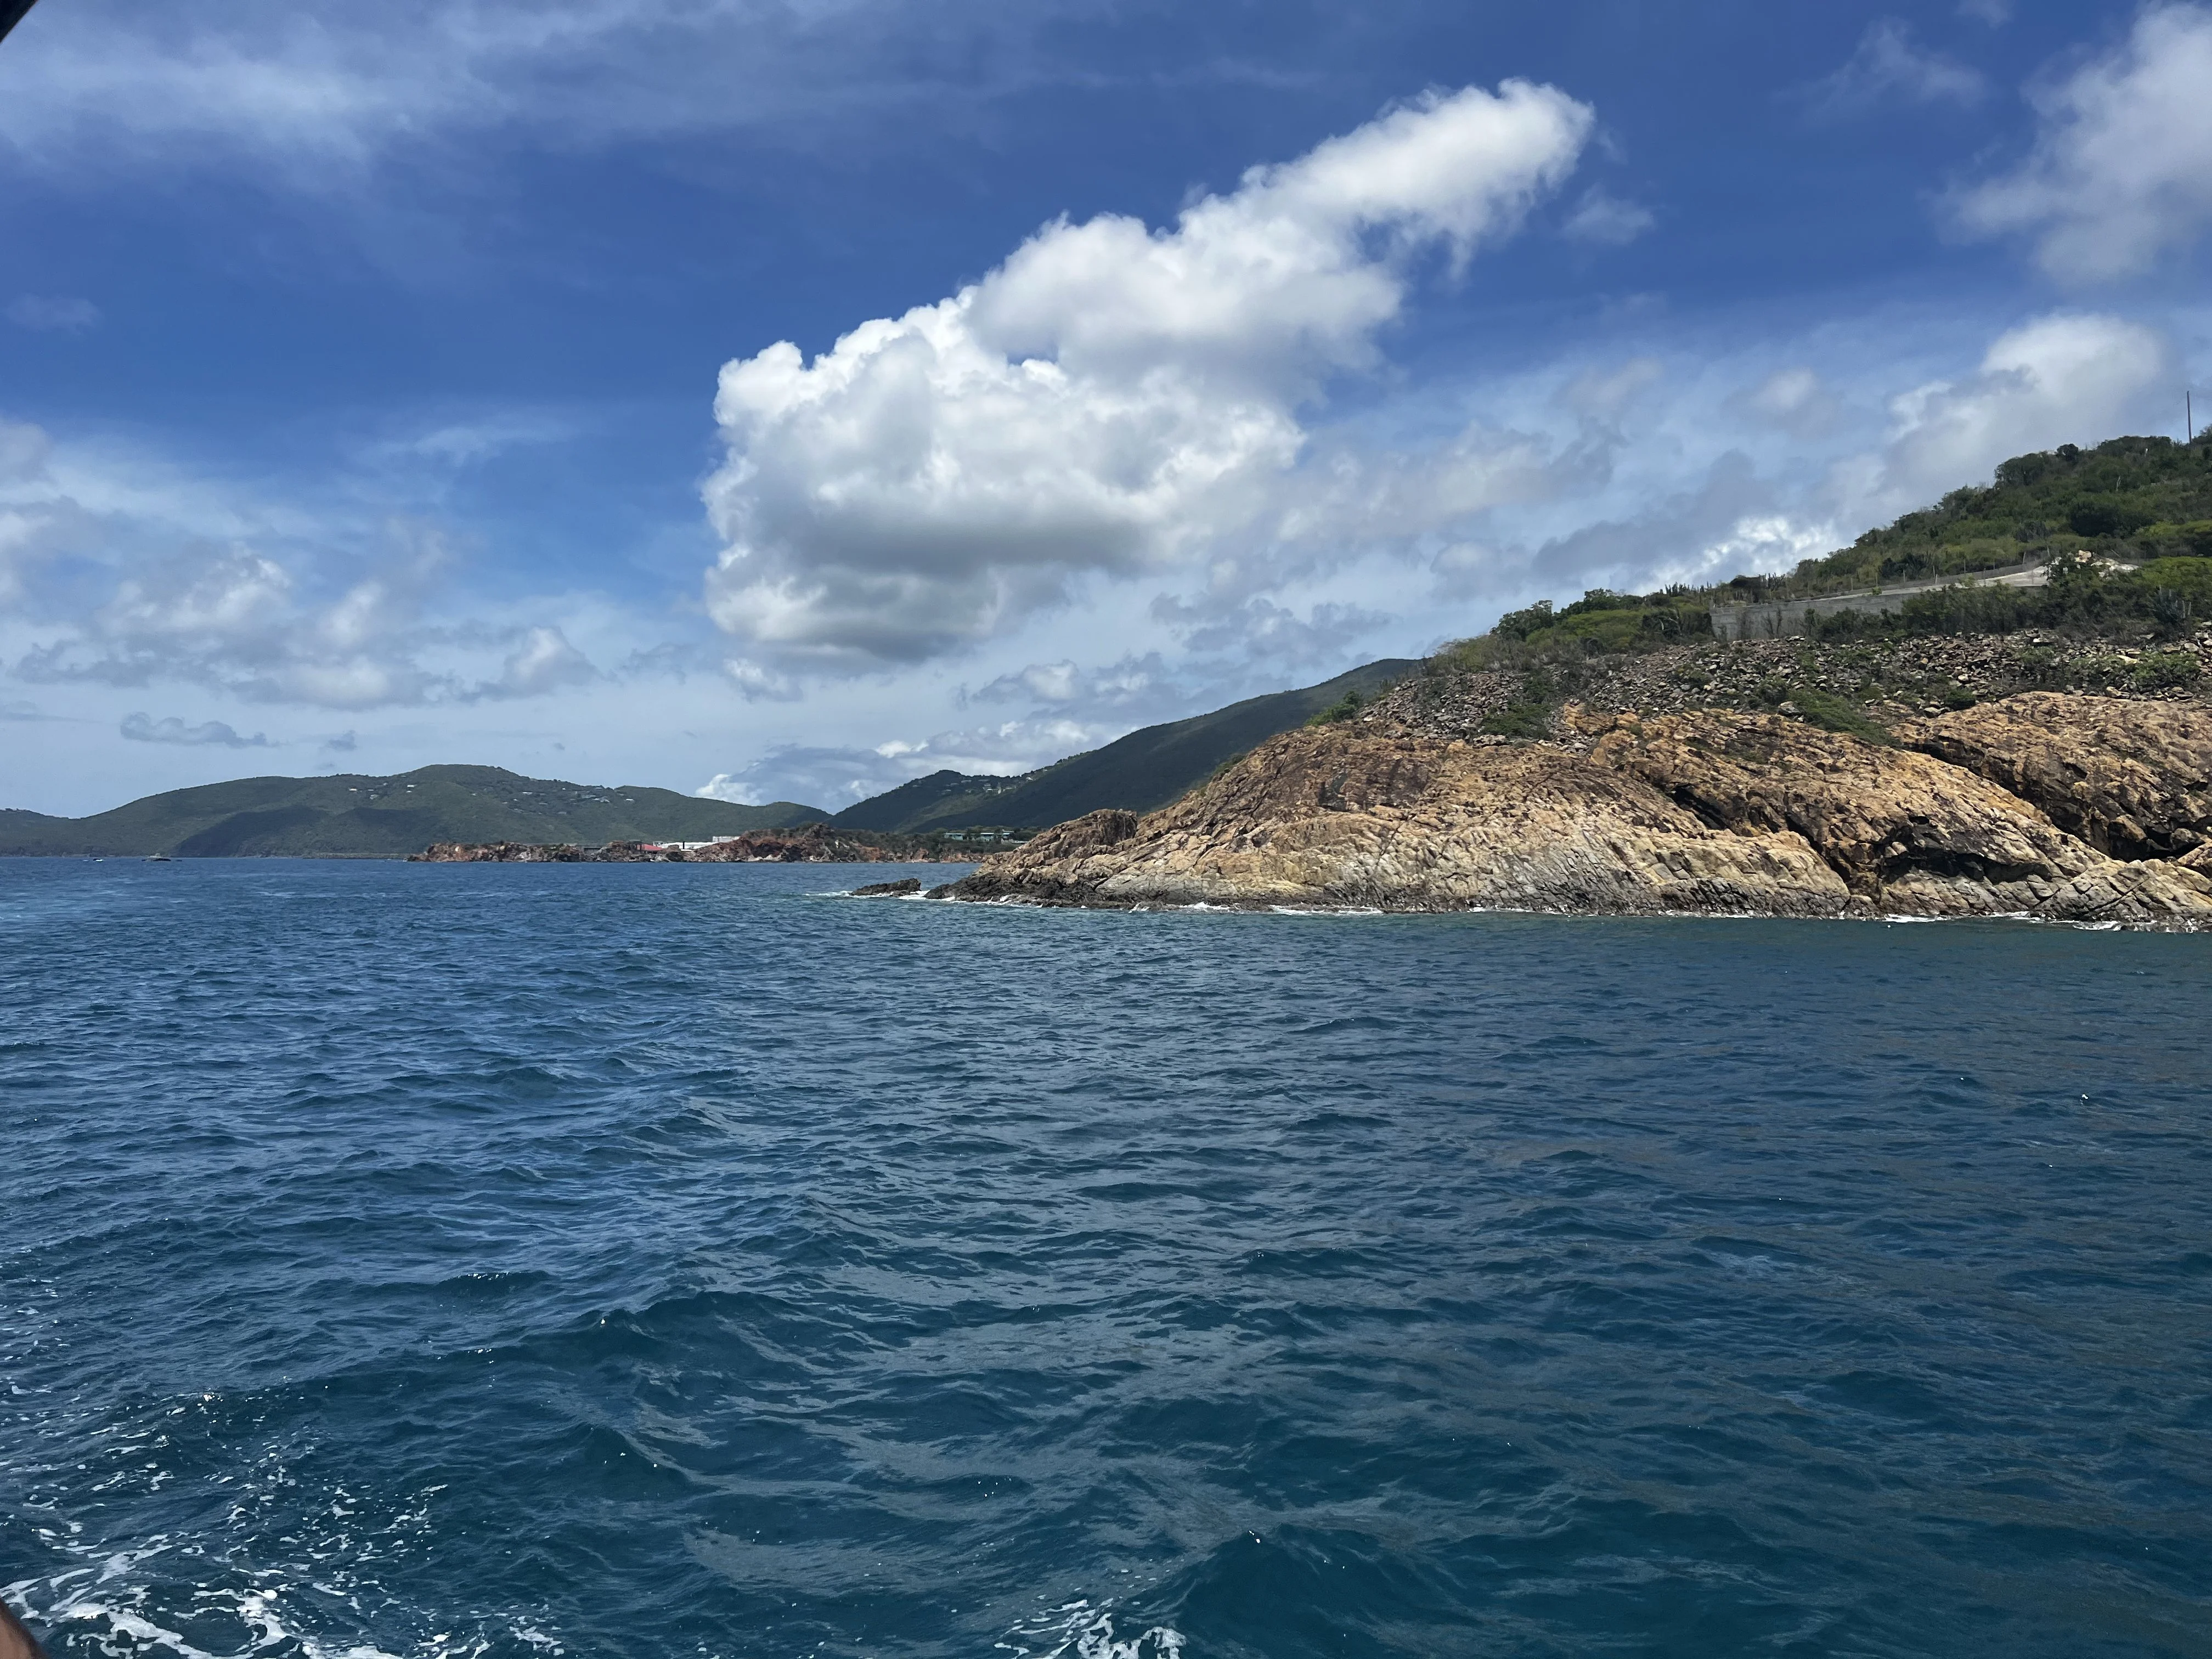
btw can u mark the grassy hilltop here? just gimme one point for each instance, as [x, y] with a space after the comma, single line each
[2143, 502]
[2123, 531]
[359, 816]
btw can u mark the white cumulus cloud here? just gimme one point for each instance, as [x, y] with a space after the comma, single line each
[1112, 399]
[2122, 168]
[2070, 378]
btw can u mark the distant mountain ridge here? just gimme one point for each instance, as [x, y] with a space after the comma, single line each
[1140, 772]
[355, 815]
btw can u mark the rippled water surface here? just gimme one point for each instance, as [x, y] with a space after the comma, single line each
[675, 1260]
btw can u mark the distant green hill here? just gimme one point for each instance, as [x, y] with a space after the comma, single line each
[1146, 769]
[351, 816]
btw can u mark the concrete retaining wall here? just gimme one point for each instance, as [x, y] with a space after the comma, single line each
[1786, 619]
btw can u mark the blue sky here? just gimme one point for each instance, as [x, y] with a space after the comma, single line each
[781, 400]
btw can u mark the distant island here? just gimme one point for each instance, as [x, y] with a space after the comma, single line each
[2037, 746]
[960, 816]
[352, 815]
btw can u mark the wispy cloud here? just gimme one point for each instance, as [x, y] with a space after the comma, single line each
[52, 314]
[836, 776]
[1603, 220]
[144, 728]
[469, 441]
[1890, 67]
[1794, 398]
[319, 97]
[122, 570]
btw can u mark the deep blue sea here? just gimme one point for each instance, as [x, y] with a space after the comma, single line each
[682, 1263]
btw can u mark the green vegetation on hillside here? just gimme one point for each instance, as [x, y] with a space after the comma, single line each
[351, 816]
[2159, 600]
[1601, 620]
[1146, 769]
[1346, 708]
[2088, 514]
[2131, 498]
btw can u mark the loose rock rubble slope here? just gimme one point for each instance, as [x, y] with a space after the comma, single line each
[1891, 680]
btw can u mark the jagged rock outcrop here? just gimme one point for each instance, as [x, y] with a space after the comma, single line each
[2132, 779]
[1334, 816]
[1716, 812]
[1910, 833]
[500, 852]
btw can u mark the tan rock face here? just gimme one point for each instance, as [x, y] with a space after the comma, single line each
[1335, 818]
[1912, 833]
[1711, 813]
[2132, 779]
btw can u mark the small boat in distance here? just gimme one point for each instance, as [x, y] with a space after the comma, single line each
[157, 858]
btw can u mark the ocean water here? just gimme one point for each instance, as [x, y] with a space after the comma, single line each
[515, 1260]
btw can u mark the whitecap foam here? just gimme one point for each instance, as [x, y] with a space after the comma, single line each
[123, 1630]
[1085, 1629]
[109, 1600]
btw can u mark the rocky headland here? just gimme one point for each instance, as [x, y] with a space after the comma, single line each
[2059, 805]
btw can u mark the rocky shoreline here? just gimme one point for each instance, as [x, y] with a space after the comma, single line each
[2055, 806]
[817, 844]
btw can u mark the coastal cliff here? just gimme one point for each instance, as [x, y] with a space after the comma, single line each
[2131, 780]
[2061, 807]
